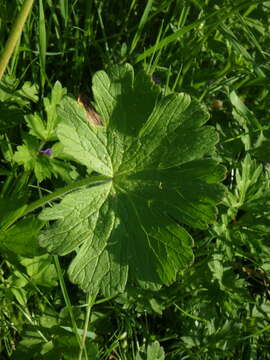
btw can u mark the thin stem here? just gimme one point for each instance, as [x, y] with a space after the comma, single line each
[15, 35]
[90, 302]
[97, 180]
[66, 297]
[24, 210]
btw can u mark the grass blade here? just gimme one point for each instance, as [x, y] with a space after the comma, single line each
[141, 26]
[15, 35]
[42, 43]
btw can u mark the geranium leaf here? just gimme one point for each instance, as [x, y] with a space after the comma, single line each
[155, 152]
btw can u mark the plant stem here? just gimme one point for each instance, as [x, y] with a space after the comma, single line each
[24, 210]
[66, 297]
[90, 302]
[15, 35]
[94, 180]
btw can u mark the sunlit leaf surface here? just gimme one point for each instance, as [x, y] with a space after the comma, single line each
[155, 151]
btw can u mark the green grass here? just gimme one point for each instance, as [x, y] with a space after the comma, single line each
[219, 307]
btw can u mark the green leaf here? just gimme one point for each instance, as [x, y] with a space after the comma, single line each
[152, 148]
[20, 295]
[50, 107]
[36, 126]
[242, 114]
[155, 351]
[68, 349]
[13, 101]
[26, 154]
[22, 237]
[41, 270]
[43, 166]
[9, 92]
[45, 130]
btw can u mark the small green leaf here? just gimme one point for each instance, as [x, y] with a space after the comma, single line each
[36, 126]
[30, 156]
[50, 107]
[20, 295]
[155, 152]
[242, 113]
[67, 347]
[44, 129]
[9, 92]
[26, 154]
[155, 351]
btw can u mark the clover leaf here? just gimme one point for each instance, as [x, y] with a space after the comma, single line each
[154, 151]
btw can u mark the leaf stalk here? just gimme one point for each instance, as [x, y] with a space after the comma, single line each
[92, 180]
[15, 35]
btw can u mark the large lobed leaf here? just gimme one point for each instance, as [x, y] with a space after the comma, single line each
[153, 149]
